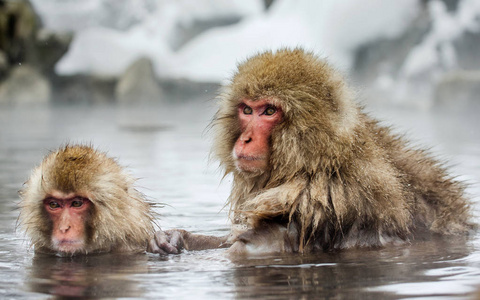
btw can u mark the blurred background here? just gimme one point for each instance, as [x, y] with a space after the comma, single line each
[414, 53]
[136, 78]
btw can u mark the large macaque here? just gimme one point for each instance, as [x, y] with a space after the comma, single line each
[79, 201]
[311, 171]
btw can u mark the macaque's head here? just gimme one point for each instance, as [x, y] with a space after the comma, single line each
[283, 113]
[80, 201]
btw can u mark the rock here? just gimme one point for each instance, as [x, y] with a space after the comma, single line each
[18, 26]
[49, 48]
[138, 85]
[25, 85]
[387, 55]
[83, 89]
[140, 98]
[3, 64]
[459, 90]
[186, 32]
[467, 48]
[184, 90]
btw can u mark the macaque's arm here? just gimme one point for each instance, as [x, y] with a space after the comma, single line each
[173, 241]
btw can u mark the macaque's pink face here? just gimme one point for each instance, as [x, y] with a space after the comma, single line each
[257, 120]
[69, 217]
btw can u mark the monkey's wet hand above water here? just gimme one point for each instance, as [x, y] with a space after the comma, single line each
[174, 240]
[167, 242]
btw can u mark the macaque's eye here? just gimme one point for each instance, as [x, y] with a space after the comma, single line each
[270, 111]
[53, 204]
[77, 203]
[247, 110]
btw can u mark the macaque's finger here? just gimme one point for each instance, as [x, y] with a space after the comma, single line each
[162, 242]
[152, 247]
[176, 239]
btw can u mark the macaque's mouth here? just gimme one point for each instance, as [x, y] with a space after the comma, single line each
[250, 158]
[68, 245]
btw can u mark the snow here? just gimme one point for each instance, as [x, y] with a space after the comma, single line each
[107, 50]
[73, 15]
[330, 28]
[334, 29]
[213, 55]
[436, 50]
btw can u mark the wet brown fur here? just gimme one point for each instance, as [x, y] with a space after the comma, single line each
[121, 219]
[335, 173]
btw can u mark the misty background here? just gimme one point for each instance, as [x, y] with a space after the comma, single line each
[138, 79]
[413, 53]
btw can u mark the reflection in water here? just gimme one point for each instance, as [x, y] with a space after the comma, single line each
[359, 273]
[86, 276]
[167, 148]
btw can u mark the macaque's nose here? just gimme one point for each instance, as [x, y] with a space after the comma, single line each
[64, 228]
[246, 137]
[64, 223]
[247, 134]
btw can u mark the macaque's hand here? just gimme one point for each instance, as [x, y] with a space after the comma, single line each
[167, 242]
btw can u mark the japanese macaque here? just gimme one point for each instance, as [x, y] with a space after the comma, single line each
[311, 171]
[79, 201]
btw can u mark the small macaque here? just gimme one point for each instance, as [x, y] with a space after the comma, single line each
[312, 172]
[79, 201]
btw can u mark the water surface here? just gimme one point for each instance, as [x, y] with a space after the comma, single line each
[167, 149]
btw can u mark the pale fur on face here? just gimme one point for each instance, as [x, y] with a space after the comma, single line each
[122, 218]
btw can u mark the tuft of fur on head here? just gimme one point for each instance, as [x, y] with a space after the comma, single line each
[333, 171]
[122, 218]
[309, 92]
[317, 107]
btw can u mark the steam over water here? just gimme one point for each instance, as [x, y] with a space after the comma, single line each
[167, 148]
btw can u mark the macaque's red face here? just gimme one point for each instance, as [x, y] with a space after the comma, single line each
[257, 120]
[69, 216]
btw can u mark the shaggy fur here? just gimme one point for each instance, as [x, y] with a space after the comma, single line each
[336, 174]
[121, 218]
